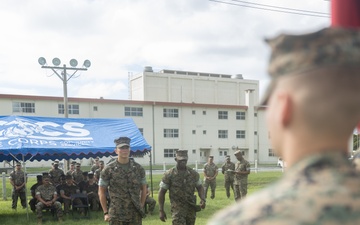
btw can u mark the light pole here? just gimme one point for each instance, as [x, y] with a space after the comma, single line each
[63, 75]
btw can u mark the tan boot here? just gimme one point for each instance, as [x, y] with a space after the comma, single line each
[60, 219]
[39, 221]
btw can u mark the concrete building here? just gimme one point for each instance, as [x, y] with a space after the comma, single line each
[205, 113]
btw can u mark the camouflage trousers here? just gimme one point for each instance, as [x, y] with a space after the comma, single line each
[150, 202]
[94, 202]
[228, 183]
[57, 206]
[15, 196]
[240, 190]
[212, 184]
[182, 214]
[137, 220]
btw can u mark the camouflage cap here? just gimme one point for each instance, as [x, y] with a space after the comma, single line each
[299, 54]
[181, 155]
[237, 152]
[122, 141]
[56, 162]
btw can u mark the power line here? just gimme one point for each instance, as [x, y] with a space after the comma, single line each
[277, 9]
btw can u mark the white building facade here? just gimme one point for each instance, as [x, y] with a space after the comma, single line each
[204, 113]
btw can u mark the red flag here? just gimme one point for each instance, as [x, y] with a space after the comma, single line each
[345, 13]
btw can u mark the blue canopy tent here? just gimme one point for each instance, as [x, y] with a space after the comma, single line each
[24, 138]
[47, 138]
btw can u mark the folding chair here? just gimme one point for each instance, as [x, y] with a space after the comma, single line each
[46, 211]
[80, 202]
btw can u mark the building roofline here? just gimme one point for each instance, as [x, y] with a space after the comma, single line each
[120, 101]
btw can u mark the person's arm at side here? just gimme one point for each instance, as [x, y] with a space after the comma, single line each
[161, 200]
[143, 195]
[103, 202]
[201, 194]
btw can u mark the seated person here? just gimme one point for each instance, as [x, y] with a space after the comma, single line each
[59, 187]
[91, 189]
[66, 191]
[46, 196]
[33, 201]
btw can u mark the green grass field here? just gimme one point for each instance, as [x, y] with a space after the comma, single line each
[256, 181]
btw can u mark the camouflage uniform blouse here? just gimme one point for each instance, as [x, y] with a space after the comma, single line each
[210, 169]
[317, 190]
[228, 166]
[241, 165]
[55, 176]
[124, 183]
[19, 178]
[181, 186]
[46, 192]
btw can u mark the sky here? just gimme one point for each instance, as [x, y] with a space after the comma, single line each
[121, 37]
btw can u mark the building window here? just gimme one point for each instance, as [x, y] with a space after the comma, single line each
[193, 131]
[169, 152]
[271, 152]
[222, 115]
[24, 107]
[133, 111]
[223, 134]
[225, 153]
[220, 153]
[255, 151]
[255, 132]
[72, 109]
[95, 108]
[240, 115]
[171, 133]
[193, 112]
[194, 151]
[141, 131]
[240, 134]
[204, 131]
[171, 113]
[255, 114]
[204, 112]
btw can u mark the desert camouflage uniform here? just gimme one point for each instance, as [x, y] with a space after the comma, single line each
[18, 177]
[55, 176]
[78, 176]
[181, 186]
[210, 170]
[92, 192]
[47, 192]
[69, 190]
[124, 183]
[318, 190]
[241, 180]
[229, 176]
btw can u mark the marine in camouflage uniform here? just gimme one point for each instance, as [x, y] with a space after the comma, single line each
[96, 165]
[46, 195]
[18, 181]
[56, 173]
[228, 169]
[210, 173]
[181, 181]
[91, 189]
[126, 181]
[66, 191]
[77, 174]
[242, 170]
[98, 171]
[313, 108]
